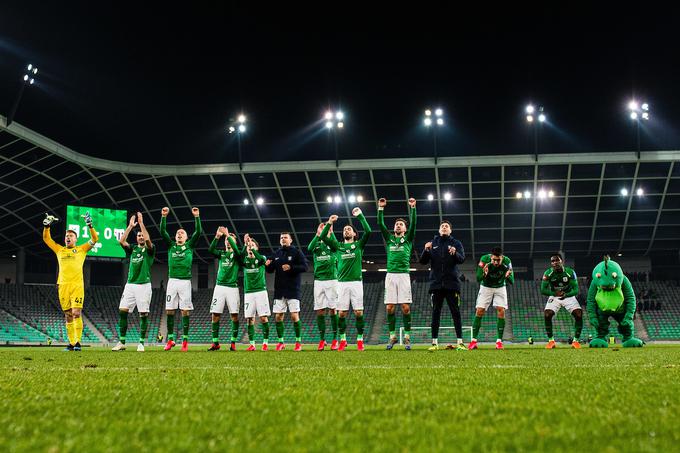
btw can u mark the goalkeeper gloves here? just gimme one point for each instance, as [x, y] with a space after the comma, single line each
[49, 219]
[88, 219]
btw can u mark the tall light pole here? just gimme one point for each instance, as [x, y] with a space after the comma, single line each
[28, 79]
[535, 115]
[238, 127]
[638, 112]
[334, 121]
[434, 122]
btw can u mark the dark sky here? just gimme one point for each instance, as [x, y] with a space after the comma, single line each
[156, 84]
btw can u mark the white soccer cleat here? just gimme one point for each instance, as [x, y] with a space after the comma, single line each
[140, 347]
[119, 347]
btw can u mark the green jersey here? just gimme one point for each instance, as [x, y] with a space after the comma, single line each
[399, 249]
[349, 253]
[495, 278]
[253, 273]
[141, 259]
[229, 263]
[564, 281]
[180, 257]
[325, 260]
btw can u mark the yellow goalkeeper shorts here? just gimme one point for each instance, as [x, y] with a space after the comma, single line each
[71, 295]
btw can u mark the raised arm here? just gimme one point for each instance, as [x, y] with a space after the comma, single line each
[145, 233]
[410, 234]
[163, 227]
[238, 254]
[94, 236]
[47, 238]
[330, 240]
[197, 228]
[356, 212]
[545, 283]
[381, 219]
[123, 240]
[212, 249]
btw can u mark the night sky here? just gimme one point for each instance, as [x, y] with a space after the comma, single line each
[154, 84]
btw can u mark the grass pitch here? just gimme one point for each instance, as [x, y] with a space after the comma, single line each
[521, 399]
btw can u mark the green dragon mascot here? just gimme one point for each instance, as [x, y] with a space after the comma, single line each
[611, 294]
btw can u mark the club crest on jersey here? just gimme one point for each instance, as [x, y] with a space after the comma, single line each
[323, 253]
[353, 247]
[75, 250]
[184, 247]
[565, 279]
[231, 255]
[401, 240]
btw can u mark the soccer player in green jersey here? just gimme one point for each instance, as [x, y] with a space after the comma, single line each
[493, 271]
[325, 286]
[137, 292]
[399, 247]
[256, 299]
[350, 285]
[178, 291]
[226, 287]
[561, 286]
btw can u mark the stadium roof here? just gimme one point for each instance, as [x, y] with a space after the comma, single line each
[587, 213]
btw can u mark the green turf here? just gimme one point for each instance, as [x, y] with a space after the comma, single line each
[520, 399]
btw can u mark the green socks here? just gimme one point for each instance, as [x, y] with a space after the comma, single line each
[342, 326]
[392, 324]
[143, 325]
[500, 325]
[171, 327]
[476, 325]
[215, 332]
[297, 327]
[360, 326]
[265, 332]
[407, 323]
[321, 324]
[279, 330]
[334, 325]
[185, 328]
[549, 328]
[122, 325]
[578, 325]
[234, 331]
[251, 333]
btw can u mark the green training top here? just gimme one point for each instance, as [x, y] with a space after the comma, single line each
[229, 263]
[253, 272]
[564, 281]
[180, 257]
[399, 249]
[325, 260]
[141, 259]
[496, 276]
[349, 253]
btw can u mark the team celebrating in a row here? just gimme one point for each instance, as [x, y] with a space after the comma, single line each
[337, 282]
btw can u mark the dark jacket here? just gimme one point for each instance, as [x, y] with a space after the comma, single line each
[287, 283]
[444, 266]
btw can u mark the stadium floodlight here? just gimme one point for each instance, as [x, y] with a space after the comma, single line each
[624, 192]
[518, 195]
[430, 197]
[260, 201]
[640, 192]
[447, 196]
[339, 115]
[633, 115]
[329, 199]
[337, 199]
[645, 116]
[241, 118]
[428, 112]
[360, 198]
[352, 199]
[427, 122]
[242, 128]
[551, 194]
[341, 125]
[439, 112]
[334, 119]
[541, 118]
[530, 118]
[232, 129]
[329, 125]
[638, 111]
[329, 115]
[529, 109]
[645, 106]
[440, 121]
[632, 105]
[246, 202]
[28, 79]
[542, 194]
[527, 194]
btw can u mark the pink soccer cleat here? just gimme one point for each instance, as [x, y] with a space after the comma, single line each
[322, 345]
[499, 344]
[265, 347]
[251, 347]
[360, 345]
[343, 345]
[280, 346]
[334, 345]
[185, 346]
[472, 345]
[298, 347]
[169, 345]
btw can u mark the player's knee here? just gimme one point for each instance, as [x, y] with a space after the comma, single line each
[264, 319]
[577, 314]
[549, 314]
[144, 315]
[234, 317]
[480, 312]
[215, 317]
[501, 312]
[358, 313]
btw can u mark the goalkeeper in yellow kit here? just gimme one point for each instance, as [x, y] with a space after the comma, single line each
[70, 281]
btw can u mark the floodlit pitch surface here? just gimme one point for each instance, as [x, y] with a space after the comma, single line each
[523, 398]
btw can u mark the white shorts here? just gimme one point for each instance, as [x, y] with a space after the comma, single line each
[398, 289]
[499, 296]
[256, 304]
[225, 295]
[569, 303]
[350, 293]
[284, 305]
[136, 295]
[178, 295]
[325, 294]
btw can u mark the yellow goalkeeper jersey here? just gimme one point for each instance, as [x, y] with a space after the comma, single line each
[70, 260]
